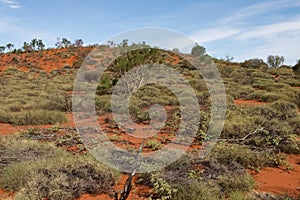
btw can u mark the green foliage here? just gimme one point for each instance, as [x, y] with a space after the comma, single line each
[275, 61]
[242, 183]
[296, 68]
[40, 171]
[195, 190]
[254, 63]
[162, 190]
[33, 117]
[198, 50]
[153, 144]
[27, 99]
[226, 154]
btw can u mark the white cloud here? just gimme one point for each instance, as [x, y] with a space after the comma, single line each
[12, 4]
[260, 8]
[208, 35]
[248, 41]
[14, 28]
[286, 45]
[272, 29]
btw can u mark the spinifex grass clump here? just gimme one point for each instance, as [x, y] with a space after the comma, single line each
[40, 170]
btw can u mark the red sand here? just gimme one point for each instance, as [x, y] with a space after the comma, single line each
[280, 180]
[276, 180]
[5, 194]
[137, 192]
[48, 60]
[247, 102]
[7, 129]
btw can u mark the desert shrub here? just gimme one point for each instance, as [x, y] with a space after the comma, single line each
[284, 110]
[238, 195]
[43, 171]
[254, 63]
[226, 154]
[258, 74]
[296, 68]
[161, 189]
[267, 126]
[103, 103]
[105, 85]
[229, 99]
[67, 182]
[295, 124]
[14, 150]
[15, 107]
[179, 170]
[198, 84]
[57, 100]
[4, 116]
[153, 94]
[196, 190]
[59, 179]
[290, 81]
[290, 145]
[239, 92]
[139, 112]
[247, 79]
[36, 117]
[153, 144]
[265, 96]
[274, 86]
[238, 126]
[229, 184]
[286, 72]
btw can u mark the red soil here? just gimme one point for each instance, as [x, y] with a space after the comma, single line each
[276, 180]
[97, 197]
[5, 194]
[247, 102]
[6, 129]
[280, 180]
[176, 60]
[137, 192]
[47, 60]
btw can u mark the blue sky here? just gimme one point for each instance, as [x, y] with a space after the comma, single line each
[242, 29]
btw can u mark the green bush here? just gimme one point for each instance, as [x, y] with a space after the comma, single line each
[103, 103]
[35, 117]
[15, 150]
[162, 190]
[195, 190]
[42, 171]
[229, 184]
[66, 182]
[226, 154]
[254, 63]
[153, 144]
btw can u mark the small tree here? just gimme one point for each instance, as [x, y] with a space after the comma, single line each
[228, 58]
[198, 50]
[27, 47]
[275, 61]
[254, 63]
[58, 43]
[296, 68]
[9, 46]
[65, 42]
[40, 45]
[78, 43]
[33, 43]
[2, 49]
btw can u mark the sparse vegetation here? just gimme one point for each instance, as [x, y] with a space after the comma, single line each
[39, 171]
[35, 165]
